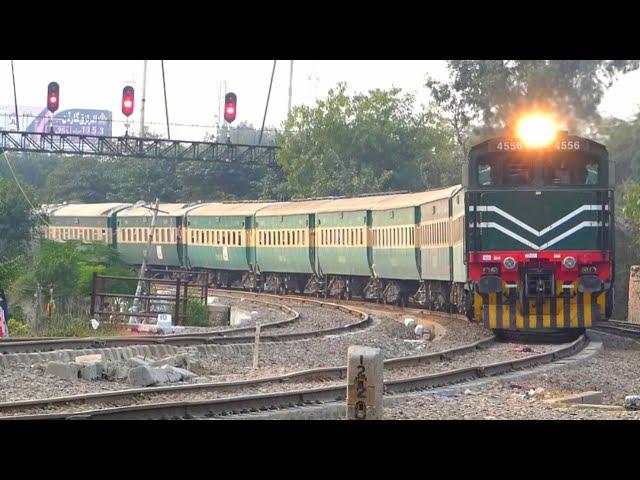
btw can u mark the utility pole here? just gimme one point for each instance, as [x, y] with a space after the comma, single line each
[15, 97]
[143, 267]
[273, 70]
[290, 86]
[166, 107]
[144, 90]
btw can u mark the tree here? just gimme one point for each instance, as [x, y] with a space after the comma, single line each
[143, 179]
[57, 266]
[347, 145]
[79, 179]
[495, 92]
[623, 143]
[17, 220]
[32, 168]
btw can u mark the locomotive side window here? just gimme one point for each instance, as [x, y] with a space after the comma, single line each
[505, 170]
[570, 170]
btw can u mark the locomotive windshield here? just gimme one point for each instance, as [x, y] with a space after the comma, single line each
[546, 169]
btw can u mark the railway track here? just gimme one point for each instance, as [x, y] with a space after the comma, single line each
[226, 336]
[218, 407]
[617, 327]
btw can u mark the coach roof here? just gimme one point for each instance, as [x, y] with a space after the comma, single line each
[87, 209]
[414, 199]
[167, 209]
[227, 209]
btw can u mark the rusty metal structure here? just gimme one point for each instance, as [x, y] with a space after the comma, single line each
[101, 298]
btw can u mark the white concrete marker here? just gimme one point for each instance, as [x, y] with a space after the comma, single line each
[365, 383]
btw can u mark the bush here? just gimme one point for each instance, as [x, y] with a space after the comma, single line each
[85, 279]
[197, 313]
[70, 326]
[18, 329]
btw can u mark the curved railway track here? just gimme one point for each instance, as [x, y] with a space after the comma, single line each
[217, 407]
[226, 336]
[617, 327]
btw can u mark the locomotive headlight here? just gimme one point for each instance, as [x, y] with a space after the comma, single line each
[569, 262]
[588, 269]
[509, 263]
[536, 130]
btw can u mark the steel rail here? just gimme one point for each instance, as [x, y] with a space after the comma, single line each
[356, 303]
[217, 337]
[273, 401]
[617, 327]
[321, 373]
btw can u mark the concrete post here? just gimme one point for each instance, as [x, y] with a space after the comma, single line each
[256, 347]
[365, 386]
[633, 315]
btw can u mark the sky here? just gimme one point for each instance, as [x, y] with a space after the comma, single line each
[195, 88]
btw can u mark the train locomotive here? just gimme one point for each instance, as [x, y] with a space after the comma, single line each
[524, 243]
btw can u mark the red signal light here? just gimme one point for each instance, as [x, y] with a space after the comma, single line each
[127, 100]
[53, 94]
[230, 101]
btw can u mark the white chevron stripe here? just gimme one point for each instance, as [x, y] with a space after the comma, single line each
[528, 228]
[532, 245]
[508, 232]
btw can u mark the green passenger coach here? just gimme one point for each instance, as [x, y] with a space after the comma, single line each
[95, 222]
[220, 236]
[134, 226]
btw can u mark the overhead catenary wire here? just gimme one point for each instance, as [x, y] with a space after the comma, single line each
[174, 124]
[26, 197]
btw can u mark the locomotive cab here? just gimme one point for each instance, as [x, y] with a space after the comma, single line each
[539, 232]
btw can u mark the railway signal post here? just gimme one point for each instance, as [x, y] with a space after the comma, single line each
[365, 386]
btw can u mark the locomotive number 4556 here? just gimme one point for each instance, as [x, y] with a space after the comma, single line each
[560, 145]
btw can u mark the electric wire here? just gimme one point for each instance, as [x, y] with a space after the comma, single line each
[15, 177]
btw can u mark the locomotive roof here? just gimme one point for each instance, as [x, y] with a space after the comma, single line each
[227, 209]
[172, 209]
[86, 209]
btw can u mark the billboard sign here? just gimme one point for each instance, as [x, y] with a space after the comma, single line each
[75, 121]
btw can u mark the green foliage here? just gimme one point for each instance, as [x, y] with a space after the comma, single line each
[85, 277]
[79, 179]
[364, 143]
[31, 168]
[623, 143]
[120, 286]
[496, 91]
[631, 207]
[68, 267]
[58, 266]
[18, 329]
[17, 221]
[10, 270]
[69, 326]
[197, 313]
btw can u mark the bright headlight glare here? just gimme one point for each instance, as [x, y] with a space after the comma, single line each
[536, 130]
